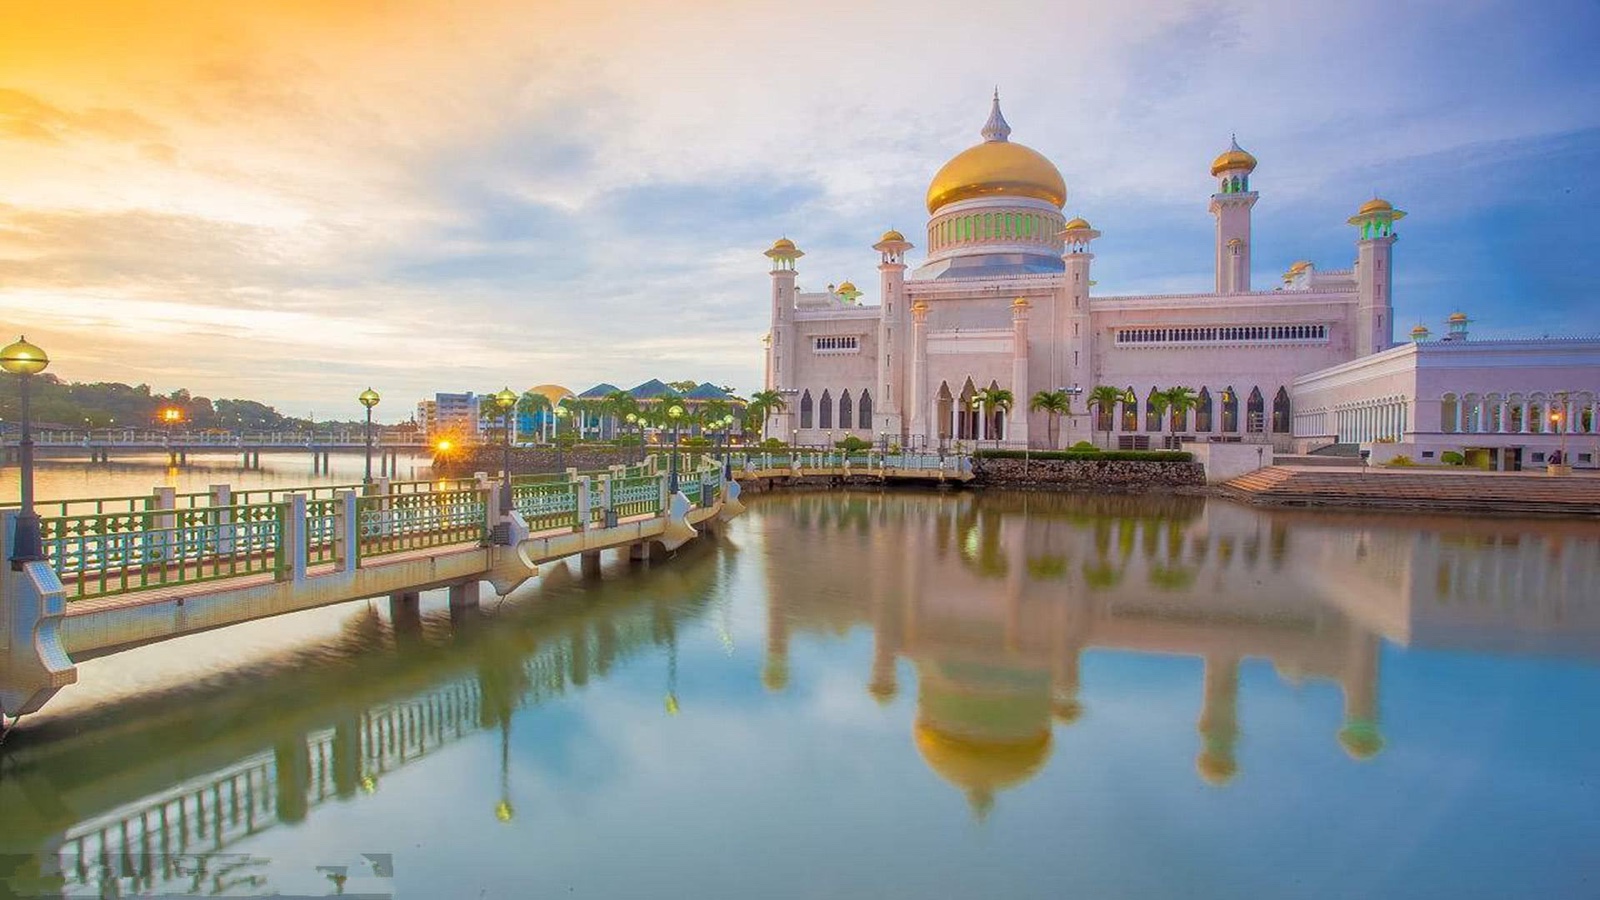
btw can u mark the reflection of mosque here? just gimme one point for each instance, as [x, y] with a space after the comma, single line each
[993, 599]
[139, 796]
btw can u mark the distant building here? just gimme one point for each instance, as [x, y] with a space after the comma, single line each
[450, 413]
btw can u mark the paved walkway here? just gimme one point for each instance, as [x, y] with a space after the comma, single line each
[1439, 490]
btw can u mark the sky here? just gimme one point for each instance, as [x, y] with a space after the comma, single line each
[291, 200]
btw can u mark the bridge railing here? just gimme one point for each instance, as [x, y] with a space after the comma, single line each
[547, 505]
[397, 523]
[636, 496]
[99, 555]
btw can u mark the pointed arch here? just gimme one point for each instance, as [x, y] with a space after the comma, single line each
[825, 410]
[945, 405]
[1255, 412]
[806, 409]
[864, 411]
[1202, 411]
[847, 410]
[1152, 411]
[1230, 410]
[1281, 418]
[1130, 410]
[967, 417]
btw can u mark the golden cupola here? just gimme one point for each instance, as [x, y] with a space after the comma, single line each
[1235, 158]
[997, 168]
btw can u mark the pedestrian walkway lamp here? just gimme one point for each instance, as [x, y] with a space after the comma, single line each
[633, 428]
[25, 361]
[674, 413]
[507, 401]
[561, 412]
[369, 398]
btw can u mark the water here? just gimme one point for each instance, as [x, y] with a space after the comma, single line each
[877, 695]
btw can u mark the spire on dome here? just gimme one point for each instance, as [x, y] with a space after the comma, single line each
[996, 128]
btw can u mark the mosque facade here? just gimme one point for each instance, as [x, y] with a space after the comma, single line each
[1002, 300]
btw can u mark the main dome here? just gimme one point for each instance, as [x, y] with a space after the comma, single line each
[997, 168]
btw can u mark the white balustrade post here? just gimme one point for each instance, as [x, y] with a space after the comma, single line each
[222, 501]
[661, 482]
[164, 543]
[608, 500]
[294, 538]
[346, 531]
[584, 507]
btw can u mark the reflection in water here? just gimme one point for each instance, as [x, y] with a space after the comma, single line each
[996, 604]
[994, 598]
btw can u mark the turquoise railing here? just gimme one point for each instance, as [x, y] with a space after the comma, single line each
[637, 496]
[548, 505]
[397, 523]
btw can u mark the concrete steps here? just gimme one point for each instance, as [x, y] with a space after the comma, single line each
[1437, 491]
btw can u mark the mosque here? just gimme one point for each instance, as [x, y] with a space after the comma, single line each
[1002, 300]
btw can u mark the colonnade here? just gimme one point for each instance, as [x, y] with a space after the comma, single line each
[1516, 413]
[1382, 418]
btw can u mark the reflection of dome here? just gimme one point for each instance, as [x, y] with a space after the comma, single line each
[997, 168]
[555, 393]
[1066, 711]
[1360, 739]
[882, 691]
[1217, 769]
[981, 768]
[775, 674]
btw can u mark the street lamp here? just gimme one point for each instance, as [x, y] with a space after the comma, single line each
[507, 401]
[25, 361]
[369, 398]
[561, 412]
[674, 413]
[633, 426]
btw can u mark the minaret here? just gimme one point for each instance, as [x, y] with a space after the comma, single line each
[1016, 429]
[783, 254]
[1073, 365]
[1374, 324]
[894, 335]
[918, 399]
[1231, 205]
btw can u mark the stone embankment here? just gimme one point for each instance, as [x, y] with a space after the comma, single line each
[1502, 493]
[1088, 474]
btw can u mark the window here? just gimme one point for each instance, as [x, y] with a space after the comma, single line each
[1202, 411]
[1256, 412]
[1130, 410]
[846, 410]
[1222, 334]
[864, 411]
[1230, 410]
[826, 419]
[805, 410]
[1280, 412]
[836, 343]
[1152, 412]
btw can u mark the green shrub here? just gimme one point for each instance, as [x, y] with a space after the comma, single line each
[853, 444]
[1084, 447]
[1452, 458]
[1098, 455]
[694, 443]
[774, 444]
[566, 440]
[1402, 461]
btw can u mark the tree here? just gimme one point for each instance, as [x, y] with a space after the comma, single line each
[683, 387]
[1174, 402]
[618, 405]
[531, 404]
[1104, 400]
[998, 399]
[764, 404]
[1056, 404]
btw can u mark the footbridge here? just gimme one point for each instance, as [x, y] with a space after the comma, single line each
[123, 572]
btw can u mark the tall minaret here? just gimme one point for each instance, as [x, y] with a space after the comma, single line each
[894, 336]
[1231, 205]
[1374, 277]
[1016, 430]
[1073, 366]
[782, 351]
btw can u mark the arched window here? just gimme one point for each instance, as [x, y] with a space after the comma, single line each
[1130, 410]
[825, 420]
[1202, 411]
[864, 411]
[1448, 405]
[1255, 411]
[1230, 410]
[1280, 412]
[946, 406]
[805, 409]
[1152, 411]
[847, 412]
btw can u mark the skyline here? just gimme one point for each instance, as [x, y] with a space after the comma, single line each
[282, 191]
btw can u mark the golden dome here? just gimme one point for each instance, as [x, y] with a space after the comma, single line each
[1457, 318]
[891, 235]
[1375, 205]
[1233, 158]
[783, 248]
[555, 393]
[846, 287]
[1419, 330]
[997, 168]
[1021, 303]
[1076, 223]
[1300, 266]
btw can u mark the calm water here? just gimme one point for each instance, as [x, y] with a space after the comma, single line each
[876, 695]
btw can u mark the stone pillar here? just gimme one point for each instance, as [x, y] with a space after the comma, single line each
[1017, 427]
[920, 402]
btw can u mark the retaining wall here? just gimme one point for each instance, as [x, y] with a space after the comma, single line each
[1111, 475]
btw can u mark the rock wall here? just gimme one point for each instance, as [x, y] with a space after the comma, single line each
[1107, 475]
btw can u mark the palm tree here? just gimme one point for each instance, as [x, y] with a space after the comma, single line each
[1104, 400]
[1056, 404]
[617, 405]
[764, 404]
[1174, 402]
[531, 404]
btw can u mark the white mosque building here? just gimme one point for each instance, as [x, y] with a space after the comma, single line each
[1002, 301]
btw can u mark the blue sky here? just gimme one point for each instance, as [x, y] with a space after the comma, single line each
[291, 202]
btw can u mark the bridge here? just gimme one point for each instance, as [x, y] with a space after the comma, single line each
[98, 444]
[121, 572]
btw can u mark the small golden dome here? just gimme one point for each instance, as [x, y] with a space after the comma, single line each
[1020, 303]
[1077, 223]
[783, 248]
[1300, 266]
[920, 306]
[1375, 205]
[1457, 318]
[1215, 769]
[891, 235]
[555, 393]
[846, 287]
[1233, 158]
[1419, 330]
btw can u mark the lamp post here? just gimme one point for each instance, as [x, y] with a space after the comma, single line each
[24, 360]
[507, 401]
[369, 398]
[674, 413]
[170, 417]
[561, 412]
[633, 427]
